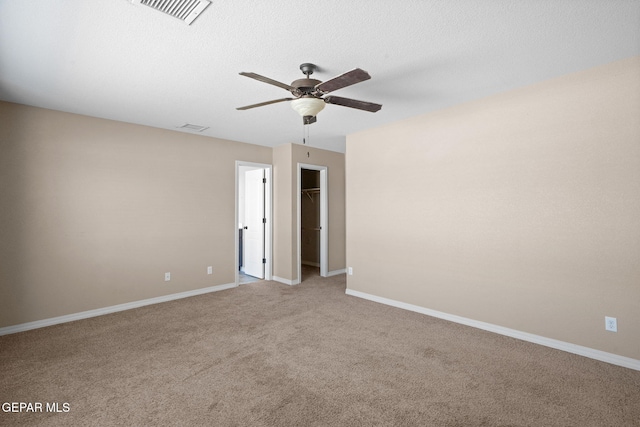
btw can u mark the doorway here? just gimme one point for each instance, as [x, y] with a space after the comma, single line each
[312, 222]
[253, 222]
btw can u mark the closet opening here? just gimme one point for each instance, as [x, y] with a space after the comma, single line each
[312, 221]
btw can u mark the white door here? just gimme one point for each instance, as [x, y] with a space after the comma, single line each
[254, 226]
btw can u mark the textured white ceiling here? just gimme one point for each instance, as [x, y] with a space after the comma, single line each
[120, 61]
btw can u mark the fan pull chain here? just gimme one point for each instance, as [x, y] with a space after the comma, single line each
[305, 133]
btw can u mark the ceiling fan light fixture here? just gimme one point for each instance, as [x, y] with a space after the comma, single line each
[307, 106]
[309, 93]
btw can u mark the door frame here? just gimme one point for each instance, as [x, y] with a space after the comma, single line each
[324, 219]
[268, 208]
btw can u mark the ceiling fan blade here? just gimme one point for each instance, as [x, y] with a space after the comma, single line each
[270, 81]
[347, 79]
[246, 107]
[353, 103]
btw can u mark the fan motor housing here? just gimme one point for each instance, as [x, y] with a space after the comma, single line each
[306, 86]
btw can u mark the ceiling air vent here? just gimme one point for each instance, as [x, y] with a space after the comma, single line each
[196, 128]
[185, 10]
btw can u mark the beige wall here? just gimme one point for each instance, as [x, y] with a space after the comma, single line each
[94, 212]
[520, 210]
[283, 213]
[285, 163]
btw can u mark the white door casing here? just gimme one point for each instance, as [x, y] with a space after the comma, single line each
[241, 168]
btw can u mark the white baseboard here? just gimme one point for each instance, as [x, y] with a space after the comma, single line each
[602, 356]
[112, 309]
[336, 272]
[285, 281]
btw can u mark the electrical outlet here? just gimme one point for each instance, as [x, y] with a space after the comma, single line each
[167, 277]
[611, 324]
[350, 271]
[210, 270]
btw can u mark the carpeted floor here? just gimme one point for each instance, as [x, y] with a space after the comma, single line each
[267, 354]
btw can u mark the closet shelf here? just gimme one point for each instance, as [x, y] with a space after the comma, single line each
[310, 191]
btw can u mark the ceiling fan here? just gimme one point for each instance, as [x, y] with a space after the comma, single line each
[309, 93]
